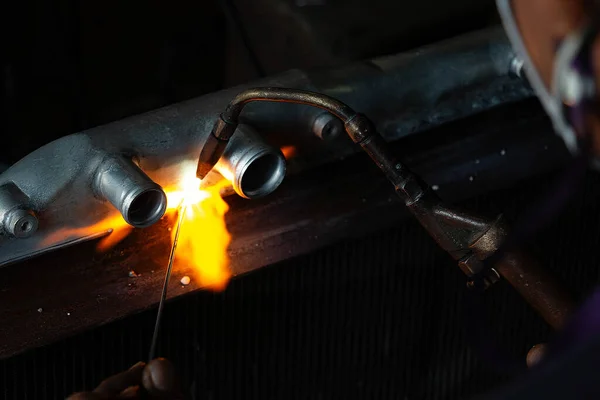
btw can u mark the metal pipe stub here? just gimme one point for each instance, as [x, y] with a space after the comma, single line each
[254, 167]
[138, 198]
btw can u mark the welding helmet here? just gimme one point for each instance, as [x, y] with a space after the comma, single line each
[570, 92]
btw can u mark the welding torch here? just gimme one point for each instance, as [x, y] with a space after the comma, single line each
[469, 239]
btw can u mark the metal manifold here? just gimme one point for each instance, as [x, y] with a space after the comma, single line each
[61, 193]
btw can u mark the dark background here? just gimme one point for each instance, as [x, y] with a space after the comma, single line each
[385, 316]
[68, 65]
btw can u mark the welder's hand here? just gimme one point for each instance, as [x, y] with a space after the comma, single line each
[155, 380]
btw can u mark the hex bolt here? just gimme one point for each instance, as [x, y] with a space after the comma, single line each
[20, 223]
[140, 200]
[516, 67]
[327, 127]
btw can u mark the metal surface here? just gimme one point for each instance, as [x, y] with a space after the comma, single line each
[327, 127]
[19, 221]
[539, 288]
[254, 168]
[363, 300]
[454, 231]
[225, 128]
[517, 67]
[461, 234]
[284, 95]
[140, 201]
[299, 218]
[405, 94]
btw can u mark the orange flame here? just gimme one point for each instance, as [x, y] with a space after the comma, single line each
[119, 229]
[203, 236]
[288, 152]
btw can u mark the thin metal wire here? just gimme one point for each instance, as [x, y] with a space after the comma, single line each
[163, 297]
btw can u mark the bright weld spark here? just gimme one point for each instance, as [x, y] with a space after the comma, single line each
[204, 237]
[201, 236]
[203, 240]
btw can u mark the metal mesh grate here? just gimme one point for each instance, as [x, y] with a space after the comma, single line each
[379, 317]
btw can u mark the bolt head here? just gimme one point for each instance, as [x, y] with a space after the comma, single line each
[327, 127]
[20, 223]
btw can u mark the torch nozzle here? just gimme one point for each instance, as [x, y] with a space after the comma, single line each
[209, 156]
[215, 145]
